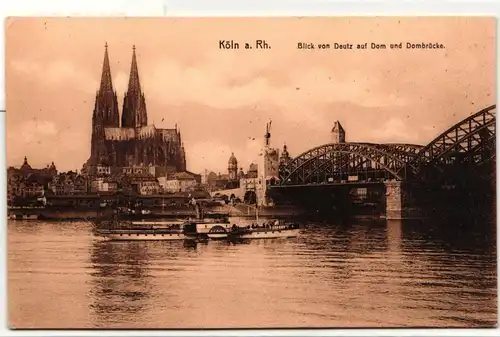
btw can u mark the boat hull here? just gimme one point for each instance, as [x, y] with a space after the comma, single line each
[270, 234]
[144, 237]
[217, 236]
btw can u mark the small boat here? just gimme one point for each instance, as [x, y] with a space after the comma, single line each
[269, 230]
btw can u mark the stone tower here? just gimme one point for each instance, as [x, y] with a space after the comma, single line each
[232, 167]
[105, 114]
[134, 113]
[268, 168]
[337, 134]
[285, 156]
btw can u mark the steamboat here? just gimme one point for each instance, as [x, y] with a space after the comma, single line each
[209, 226]
[201, 229]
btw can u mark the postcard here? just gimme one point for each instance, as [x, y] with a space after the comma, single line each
[251, 173]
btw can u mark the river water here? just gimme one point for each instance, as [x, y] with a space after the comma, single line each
[358, 274]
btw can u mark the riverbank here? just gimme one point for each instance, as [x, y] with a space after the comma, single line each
[73, 213]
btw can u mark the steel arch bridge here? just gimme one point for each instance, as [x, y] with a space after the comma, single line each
[471, 141]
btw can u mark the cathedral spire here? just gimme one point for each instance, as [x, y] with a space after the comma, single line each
[134, 86]
[106, 82]
[105, 113]
[134, 104]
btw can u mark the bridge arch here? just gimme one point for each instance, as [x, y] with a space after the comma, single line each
[409, 149]
[334, 159]
[473, 139]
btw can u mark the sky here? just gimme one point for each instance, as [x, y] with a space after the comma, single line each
[221, 99]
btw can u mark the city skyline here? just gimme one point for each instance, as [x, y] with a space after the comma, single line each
[221, 99]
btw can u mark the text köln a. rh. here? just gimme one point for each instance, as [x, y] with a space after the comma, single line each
[232, 45]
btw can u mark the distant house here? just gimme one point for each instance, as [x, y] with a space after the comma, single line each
[27, 182]
[148, 187]
[68, 183]
[180, 182]
[210, 180]
[33, 186]
[104, 185]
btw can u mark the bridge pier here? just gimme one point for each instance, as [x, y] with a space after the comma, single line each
[399, 201]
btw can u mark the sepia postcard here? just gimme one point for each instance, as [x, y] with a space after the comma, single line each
[251, 173]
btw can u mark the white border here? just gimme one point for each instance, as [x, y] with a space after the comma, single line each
[224, 8]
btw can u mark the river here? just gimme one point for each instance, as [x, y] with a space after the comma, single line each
[357, 274]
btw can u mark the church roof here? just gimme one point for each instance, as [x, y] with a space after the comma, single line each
[145, 132]
[34, 178]
[170, 135]
[25, 165]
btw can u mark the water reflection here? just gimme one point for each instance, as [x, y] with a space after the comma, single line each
[350, 274]
[120, 280]
[394, 236]
[453, 271]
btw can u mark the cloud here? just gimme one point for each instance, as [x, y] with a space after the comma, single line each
[33, 130]
[43, 141]
[208, 154]
[57, 73]
[392, 130]
[226, 84]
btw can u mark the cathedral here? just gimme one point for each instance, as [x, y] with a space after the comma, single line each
[129, 141]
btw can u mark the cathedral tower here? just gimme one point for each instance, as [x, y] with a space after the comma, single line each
[105, 112]
[106, 104]
[134, 114]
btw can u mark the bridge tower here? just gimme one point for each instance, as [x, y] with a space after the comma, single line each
[337, 134]
[232, 167]
[267, 168]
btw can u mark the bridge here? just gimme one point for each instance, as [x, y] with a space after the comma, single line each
[467, 149]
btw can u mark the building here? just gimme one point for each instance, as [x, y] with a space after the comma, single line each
[26, 182]
[209, 180]
[129, 141]
[253, 186]
[180, 182]
[106, 185]
[252, 171]
[337, 134]
[69, 183]
[148, 187]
